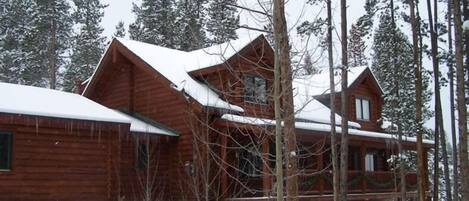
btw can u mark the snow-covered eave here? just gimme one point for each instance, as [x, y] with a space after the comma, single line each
[67, 117]
[318, 127]
[142, 125]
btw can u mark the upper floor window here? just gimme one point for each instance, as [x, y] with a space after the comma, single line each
[6, 141]
[362, 108]
[255, 89]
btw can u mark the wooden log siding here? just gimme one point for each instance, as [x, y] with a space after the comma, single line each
[61, 159]
[152, 97]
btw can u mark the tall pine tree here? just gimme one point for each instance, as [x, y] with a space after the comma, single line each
[384, 37]
[357, 47]
[15, 44]
[223, 21]
[88, 44]
[155, 23]
[190, 22]
[51, 34]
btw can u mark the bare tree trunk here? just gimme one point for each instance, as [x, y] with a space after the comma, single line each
[52, 56]
[334, 157]
[282, 43]
[462, 115]
[278, 127]
[452, 107]
[418, 105]
[439, 131]
[396, 78]
[344, 105]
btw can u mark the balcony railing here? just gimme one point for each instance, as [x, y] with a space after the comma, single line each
[313, 183]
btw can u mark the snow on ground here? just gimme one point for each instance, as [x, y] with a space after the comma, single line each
[316, 127]
[20, 99]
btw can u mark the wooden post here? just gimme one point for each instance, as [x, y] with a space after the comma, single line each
[266, 182]
[224, 176]
[363, 166]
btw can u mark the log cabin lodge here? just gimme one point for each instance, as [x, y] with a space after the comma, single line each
[154, 123]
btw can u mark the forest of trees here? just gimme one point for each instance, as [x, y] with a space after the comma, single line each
[58, 43]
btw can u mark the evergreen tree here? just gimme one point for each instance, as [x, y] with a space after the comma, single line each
[51, 34]
[120, 30]
[88, 44]
[190, 23]
[15, 52]
[384, 37]
[223, 21]
[155, 23]
[357, 47]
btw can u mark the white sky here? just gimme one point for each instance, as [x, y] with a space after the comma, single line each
[297, 11]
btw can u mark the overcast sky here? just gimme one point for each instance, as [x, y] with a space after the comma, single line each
[297, 11]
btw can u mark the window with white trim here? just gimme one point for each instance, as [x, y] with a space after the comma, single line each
[255, 89]
[362, 108]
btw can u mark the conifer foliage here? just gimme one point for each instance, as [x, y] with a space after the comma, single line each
[155, 23]
[120, 30]
[382, 65]
[190, 22]
[223, 21]
[357, 47]
[88, 44]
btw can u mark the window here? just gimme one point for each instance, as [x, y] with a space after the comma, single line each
[370, 162]
[6, 141]
[250, 162]
[142, 156]
[362, 108]
[255, 89]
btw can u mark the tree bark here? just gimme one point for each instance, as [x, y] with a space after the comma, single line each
[344, 105]
[281, 40]
[462, 115]
[421, 187]
[439, 131]
[334, 158]
[452, 107]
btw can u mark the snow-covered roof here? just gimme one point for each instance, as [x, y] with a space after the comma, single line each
[308, 108]
[317, 127]
[217, 54]
[139, 125]
[20, 99]
[318, 84]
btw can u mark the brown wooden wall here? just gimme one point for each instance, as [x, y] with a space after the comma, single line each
[133, 86]
[363, 88]
[57, 159]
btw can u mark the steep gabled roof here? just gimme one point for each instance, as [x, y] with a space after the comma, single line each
[20, 99]
[175, 65]
[318, 84]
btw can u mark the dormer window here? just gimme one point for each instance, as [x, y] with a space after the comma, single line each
[255, 89]
[362, 108]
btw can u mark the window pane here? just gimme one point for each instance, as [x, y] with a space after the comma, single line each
[366, 109]
[369, 162]
[358, 108]
[142, 156]
[260, 90]
[5, 151]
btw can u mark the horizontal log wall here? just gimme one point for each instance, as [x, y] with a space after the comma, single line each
[59, 159]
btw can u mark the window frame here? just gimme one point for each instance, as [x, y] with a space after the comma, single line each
[10, 152]
[361, 117]
[251, 98]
